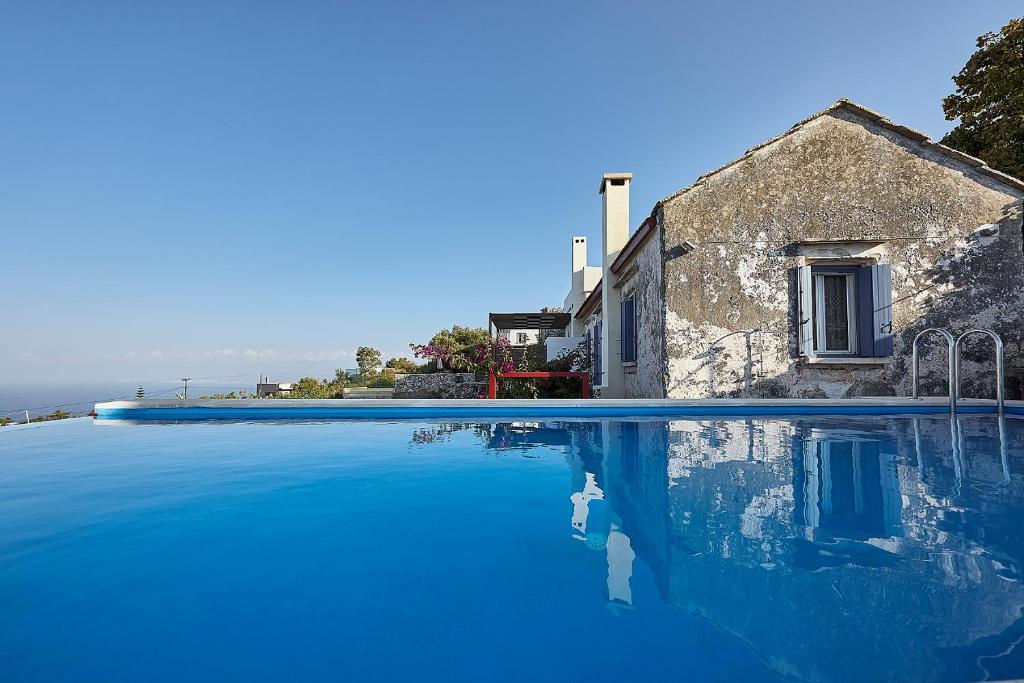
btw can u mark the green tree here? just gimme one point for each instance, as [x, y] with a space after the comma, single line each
[341, 376]
[402, 365]
[989, 101]
[4, 421]
[140, 393]
[368, 359]
[459, 338]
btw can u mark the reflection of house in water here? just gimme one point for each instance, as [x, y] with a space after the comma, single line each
[814, 541]
[593, 520]
[846, 488]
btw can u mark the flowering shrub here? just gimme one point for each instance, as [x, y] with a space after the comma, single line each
[431, 352]
[486, 358]
[572, 360]
[481, 359]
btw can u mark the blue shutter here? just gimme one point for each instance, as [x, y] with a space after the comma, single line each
[627, 341]
[881, 280]
[632, 329]
[804, 312]
[597, 352]
[874, 310]
[624, 331]
[865, 312]
[590, 352]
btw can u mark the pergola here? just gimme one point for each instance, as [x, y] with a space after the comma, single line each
[496, 322]
[526, 321]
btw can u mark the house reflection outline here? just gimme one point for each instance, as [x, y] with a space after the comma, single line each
[847, 488]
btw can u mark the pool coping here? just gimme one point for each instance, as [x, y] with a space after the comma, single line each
[283, 409]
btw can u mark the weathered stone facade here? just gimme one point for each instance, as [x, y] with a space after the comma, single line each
[716, 284]
[439, 385]
[645, 378]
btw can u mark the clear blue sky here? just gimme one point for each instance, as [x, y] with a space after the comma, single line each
[219, 188]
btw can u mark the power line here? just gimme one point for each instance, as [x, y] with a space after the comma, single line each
[82, 403]
[28, 394]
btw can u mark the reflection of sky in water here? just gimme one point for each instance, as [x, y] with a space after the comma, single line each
[824, 549]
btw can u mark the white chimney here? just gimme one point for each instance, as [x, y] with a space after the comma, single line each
[579, 254]
[577, 281]
[614, 233]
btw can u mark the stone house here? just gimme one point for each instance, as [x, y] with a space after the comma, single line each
[806, 267]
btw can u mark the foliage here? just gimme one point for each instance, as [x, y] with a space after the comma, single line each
[459, 338]
[480, 359]
[4, 421]
[140, 393]
[576, 359]
[989, 101]
[384, 378]
[532, 358]
[451, 348]
[55, 415]
[368, 359]
[234, 394]
[402, 365]
[311, 387]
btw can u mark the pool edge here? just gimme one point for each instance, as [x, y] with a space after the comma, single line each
[305, 409]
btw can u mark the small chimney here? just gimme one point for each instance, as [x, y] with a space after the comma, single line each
[579, 253]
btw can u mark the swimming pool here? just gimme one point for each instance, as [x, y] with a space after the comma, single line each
[757, 548]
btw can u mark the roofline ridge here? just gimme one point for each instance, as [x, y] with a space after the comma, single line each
[874, 117]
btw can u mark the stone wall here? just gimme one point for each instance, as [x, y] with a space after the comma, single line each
[646, 377]
[951, 234]
[439, 385]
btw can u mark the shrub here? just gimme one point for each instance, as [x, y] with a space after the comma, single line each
[402, 365]
[55, 415]
[383, 379]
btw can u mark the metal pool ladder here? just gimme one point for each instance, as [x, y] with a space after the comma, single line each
[955, 345]
[1000, 364]
[952, 363]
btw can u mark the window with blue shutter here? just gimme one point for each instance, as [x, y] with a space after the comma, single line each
[597, 352]
[844, 310]
[627, 340]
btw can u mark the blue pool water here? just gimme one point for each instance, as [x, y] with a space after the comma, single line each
[818, 548]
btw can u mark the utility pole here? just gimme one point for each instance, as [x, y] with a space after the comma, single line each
[185, 380]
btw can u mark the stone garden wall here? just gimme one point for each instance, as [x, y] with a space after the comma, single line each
[439, 385]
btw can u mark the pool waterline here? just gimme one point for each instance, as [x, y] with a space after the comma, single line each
[277, 409]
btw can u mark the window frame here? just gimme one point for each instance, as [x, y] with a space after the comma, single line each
[872, 309]
[818, 274]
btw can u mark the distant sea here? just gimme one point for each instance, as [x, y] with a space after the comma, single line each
[78, 399]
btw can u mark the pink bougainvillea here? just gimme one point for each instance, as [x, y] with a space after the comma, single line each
[481, 359]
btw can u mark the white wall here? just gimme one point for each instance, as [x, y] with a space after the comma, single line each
[556, 345]
[532, 336]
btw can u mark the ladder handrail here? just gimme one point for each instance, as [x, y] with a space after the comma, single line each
[916, 361]
[1000, 363]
